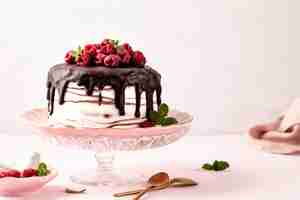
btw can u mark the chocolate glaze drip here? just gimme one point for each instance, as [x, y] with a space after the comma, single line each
[144, 79]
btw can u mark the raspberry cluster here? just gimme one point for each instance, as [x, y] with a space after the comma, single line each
[17, 174]
[107, 53]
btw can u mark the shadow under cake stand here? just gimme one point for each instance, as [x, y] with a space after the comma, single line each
[105, 142]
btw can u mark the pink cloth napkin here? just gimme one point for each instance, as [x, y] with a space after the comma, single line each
[281, 136]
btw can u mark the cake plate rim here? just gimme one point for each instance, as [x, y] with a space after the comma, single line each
[184, 121]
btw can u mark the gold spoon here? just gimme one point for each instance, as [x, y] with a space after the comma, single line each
[157, 180]
[175, 182]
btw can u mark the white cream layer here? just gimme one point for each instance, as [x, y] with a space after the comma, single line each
[80, 110]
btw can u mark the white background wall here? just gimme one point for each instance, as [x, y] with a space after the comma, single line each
[230, 63]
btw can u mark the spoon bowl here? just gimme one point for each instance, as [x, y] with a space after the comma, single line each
[157, 180]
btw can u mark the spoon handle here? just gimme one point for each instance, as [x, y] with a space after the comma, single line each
[121, 194]
[132, 192]
[142, 193]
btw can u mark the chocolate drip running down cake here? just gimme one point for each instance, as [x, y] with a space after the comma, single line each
[104, 94]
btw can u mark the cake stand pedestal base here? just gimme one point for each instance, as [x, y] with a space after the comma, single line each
[107, 174]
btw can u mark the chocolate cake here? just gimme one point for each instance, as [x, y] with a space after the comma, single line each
[102, 85]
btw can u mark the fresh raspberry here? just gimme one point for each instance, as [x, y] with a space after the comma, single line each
[108, 49]
[112, 60]
[105, 42]
[98, 51]
[3, 174]
[139, 58]
[98, 46]
[146, 124]
[124, 53]
[127, 47]
[126, 58]
[120, 50]
[90, 49]
[87, 58]
[69, 57]
[13, 173]
[79, 60]
[124, 48]
[99, 59]
[29, 172]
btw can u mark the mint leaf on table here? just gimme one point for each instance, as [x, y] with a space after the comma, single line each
[216, 166]
[207, 166]
[163, 109]
[220, 165]
[42, 170]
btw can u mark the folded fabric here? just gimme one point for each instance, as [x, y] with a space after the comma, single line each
[281, 136]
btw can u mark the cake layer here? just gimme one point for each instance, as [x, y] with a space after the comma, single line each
[81, 110]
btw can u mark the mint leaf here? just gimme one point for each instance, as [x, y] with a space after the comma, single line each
[163, 109]
[161, 120]
[42, 170]
[160, 116]
[216, 166]
[220, 165]
[76, 53]
[168, 121]
[207, 166]
[154, 116]
[43, 165]
[116, 42]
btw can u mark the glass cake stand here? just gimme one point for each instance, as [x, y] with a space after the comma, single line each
[104, 142]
